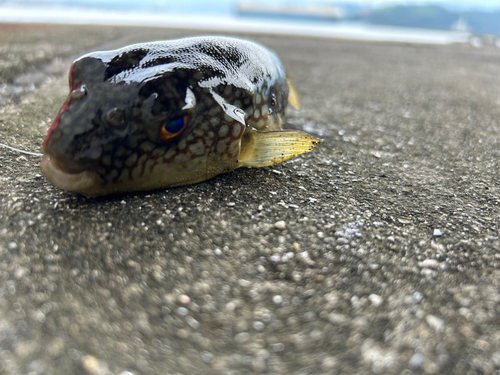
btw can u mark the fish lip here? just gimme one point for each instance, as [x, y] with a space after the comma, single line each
[78, 181]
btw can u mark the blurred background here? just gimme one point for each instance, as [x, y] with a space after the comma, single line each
[439, 21]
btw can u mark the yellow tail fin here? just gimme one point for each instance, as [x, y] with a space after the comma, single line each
[262, 149]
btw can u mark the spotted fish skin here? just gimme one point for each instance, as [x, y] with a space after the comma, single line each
[106, 138]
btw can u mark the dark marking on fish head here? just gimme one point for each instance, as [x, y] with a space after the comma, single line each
[126, 120]
[269, 103]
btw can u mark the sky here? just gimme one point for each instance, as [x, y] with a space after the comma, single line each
[217, 5]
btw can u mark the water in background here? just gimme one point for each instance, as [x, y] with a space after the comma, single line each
[339, 19]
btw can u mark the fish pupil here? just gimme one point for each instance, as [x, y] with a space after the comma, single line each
[175, 126]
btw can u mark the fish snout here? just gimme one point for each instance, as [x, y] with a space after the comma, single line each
[64, 172]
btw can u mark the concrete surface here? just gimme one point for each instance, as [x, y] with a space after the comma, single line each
[379, 252]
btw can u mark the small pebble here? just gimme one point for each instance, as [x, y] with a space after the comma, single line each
[275, 258]
[435, 323]
[74, 354]
[207, 357]
[192, 322]
[277, 300]
[183, 333]
[263, 353]
[416, 362]
[184, 299]
[483, 345]
[309, 293]
[278, 347]
[182, 311]
[230, 204]
[430, 263]
[244, 283]
[495, 359]
[92, 366]
[134, 265]
[280, 224]
[329, 363]
[437, 233]
[375, 299]
[417, 297]
[258, 326]
[443, 359]
[309, 316]
[466, 313]
[230, 307]
[242, 338]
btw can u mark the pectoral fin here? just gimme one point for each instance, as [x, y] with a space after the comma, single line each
[293, 96]
[262, 149]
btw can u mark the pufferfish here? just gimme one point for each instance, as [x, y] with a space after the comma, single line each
[169, 113]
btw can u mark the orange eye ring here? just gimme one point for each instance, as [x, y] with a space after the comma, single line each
[173, 129]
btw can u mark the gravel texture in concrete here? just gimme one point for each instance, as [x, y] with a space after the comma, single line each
[378, 252]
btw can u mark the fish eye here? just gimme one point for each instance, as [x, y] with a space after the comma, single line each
[172, 129]
[79, 92]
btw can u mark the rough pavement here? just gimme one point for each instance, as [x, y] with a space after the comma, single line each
[379, 252]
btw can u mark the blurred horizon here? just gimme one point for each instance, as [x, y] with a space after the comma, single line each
[342, 18]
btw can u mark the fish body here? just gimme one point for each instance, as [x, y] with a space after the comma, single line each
[170, 113]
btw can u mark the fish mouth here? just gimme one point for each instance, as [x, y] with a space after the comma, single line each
[69, 176]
